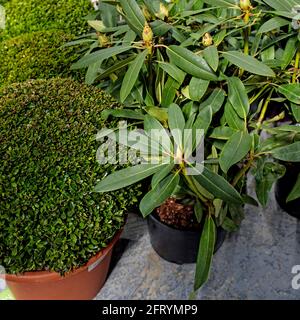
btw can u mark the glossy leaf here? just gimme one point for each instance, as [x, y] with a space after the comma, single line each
[236, 148]
[115, 67]
[205, 253]
[160, 114]
[233, 119]
[274, 23]
[203, 119]
[160, 27]
[197, 88]
[122, 113]
[211, 56]
[218, 186]
[291, 92]
[248, 63]
[190, 63]
[158, 133]
[288, 153]
[238, 97]
[169, 92]
[176, 124]
[159, 194]
[176, 73]
[132, 74]
[296, 111]
[289, 52]
[266, 175]
[198, 210]
[215, 101]
[281, 5]
[222, 3]
[99, 55]
[222, 133]
[134, 15]
[295, 193]
[127, 177]
[161, 174]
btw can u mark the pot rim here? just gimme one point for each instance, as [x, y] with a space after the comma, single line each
[43, 276]
[154, 216]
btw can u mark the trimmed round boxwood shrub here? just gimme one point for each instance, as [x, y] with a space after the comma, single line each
[25, 16]
[36, 55]
[50, 217]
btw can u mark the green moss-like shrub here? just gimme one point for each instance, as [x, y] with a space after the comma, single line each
[50, 217]
[36, 55]
[25, 16]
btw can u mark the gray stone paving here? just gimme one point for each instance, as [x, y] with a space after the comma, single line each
[254, 263]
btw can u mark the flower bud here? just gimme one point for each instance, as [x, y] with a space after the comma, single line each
[147, 34]
[103, 39]
[245, 5]
[207, 40]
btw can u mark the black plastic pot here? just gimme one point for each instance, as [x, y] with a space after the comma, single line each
[177, 246]
[283, 188]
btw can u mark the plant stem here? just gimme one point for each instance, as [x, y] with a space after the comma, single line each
[259, 94]
[242, 173]
[193, 187]
[296, 70]
[246, 34]
[264, 111]
[246, 38]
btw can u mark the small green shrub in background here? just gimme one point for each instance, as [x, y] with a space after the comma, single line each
[36, 55]
[25, 16]
[50, 217]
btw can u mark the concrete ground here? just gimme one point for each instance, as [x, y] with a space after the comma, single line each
[254, 263]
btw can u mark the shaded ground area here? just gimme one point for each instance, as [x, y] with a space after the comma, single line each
[254, 263]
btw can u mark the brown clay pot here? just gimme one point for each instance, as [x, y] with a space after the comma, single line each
[81, 284]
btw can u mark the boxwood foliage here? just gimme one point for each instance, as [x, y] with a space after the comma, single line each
[50, 217]
[36, 55]
[25, 16]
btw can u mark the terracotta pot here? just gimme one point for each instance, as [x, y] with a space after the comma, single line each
[83, 283]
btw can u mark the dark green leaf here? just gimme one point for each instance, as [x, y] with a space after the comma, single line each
[295, 193]
[274, 23]
[161, 174]
[169, 92]
[132, 74]
[159, 194]
[232, 118]
[205, 254]
[265, 176]
[133, 15]
[176, 124]
[127, 177]
[173, 71]
[288, 153]
[211, 55]
[238, 97]
[248, 63]
[291, 92]
[215, 101]
[198, 210]
[122, 113]
[236, 148]
[197, 88]
[218, 186]
[190, 63]
[99, 55]
[222, 133]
